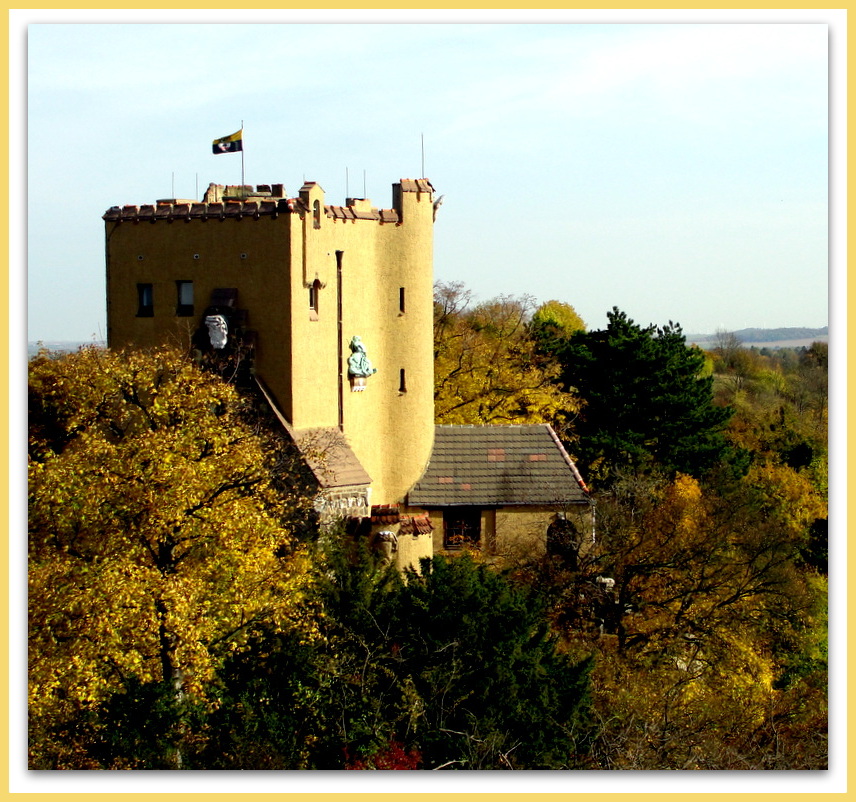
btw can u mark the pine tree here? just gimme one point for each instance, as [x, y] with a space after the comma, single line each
[646, 400]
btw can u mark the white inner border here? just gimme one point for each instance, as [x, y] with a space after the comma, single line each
[23, 781]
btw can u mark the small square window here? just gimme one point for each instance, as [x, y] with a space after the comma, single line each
[145, 300]
[461, 527]
[184, 306]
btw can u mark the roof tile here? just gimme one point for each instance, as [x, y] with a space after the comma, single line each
[416, 525]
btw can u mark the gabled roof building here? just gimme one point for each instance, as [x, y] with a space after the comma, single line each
[499, 488]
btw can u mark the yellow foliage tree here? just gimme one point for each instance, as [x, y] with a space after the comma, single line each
[708, 605]
[487, 366]
[157, 536]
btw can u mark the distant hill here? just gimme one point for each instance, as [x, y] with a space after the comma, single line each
[58, 346]
[773, 335]
[782, 338]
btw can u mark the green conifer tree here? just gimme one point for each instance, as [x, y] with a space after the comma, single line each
[646, 400]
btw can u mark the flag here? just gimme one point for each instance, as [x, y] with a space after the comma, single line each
[229, 144]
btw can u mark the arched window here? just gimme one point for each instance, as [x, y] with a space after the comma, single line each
[316, 214]
[563, 541]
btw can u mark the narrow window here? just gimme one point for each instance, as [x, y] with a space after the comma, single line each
[314, 295]
[184, 307]
[145, 300]
[401, 306]
[316, 214]
[402, 382]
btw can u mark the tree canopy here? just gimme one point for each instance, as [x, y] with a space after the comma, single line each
[554, 322]
[487, 365]
[451, 667]
[645, 399]
[158, 534]
[186, 610]
[710, 633]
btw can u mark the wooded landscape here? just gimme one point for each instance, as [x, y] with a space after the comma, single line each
[187, 610]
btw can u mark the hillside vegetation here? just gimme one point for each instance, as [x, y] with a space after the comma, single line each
[188, 612]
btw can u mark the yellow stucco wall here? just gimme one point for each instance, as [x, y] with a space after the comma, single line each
[521, 532]
[390, 431]
[248, 254]
[272, 261]
[411, 549]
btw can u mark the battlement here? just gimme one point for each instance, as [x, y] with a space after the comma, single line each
[222, 202]
[194, 210]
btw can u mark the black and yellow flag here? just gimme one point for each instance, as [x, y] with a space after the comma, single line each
[229, 144]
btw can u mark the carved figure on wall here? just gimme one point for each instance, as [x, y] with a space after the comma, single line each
[359, 365]
[218, 330]
[387, 544]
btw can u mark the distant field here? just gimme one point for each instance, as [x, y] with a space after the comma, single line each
[806, 341]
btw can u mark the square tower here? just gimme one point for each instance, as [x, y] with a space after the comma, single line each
[331, 305]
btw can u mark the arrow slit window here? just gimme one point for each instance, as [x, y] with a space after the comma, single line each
[314, 295]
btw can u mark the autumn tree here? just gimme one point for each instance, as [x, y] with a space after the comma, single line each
[158, 535]
[780, 415]
[487, 366]
[733, 362]
[707, 628]
[645, 400]
[553, 323]
[811, 384]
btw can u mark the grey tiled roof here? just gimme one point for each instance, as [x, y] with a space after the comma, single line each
[498, 465]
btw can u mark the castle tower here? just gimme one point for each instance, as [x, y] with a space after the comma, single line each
[334, 303]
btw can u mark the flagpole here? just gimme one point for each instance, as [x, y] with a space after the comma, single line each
[242, 158]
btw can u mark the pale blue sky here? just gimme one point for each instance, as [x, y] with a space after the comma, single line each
[677, 171]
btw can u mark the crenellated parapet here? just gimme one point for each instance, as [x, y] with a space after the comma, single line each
[235, 209]
[170, 211]
[224, 202]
